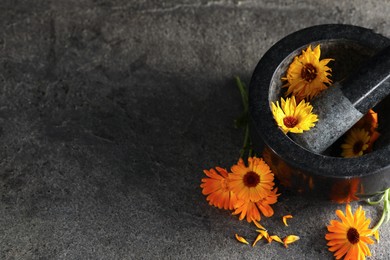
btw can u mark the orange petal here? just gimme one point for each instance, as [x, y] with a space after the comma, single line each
[263, 232]
[257, 224]
[241, 239]
[285, 219]
[290, 239]
[265, 235]
[276, 238]
[260, 236]
[376, 235]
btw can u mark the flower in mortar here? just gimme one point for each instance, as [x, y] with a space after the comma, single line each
[356, 142]
[293, 118]
[307, 75]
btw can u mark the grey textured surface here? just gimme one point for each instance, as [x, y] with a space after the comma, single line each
[110, 110]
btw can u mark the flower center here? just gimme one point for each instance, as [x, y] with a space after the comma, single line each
[357, 147]
[251, 179]
[308, 72]
[290, 121]
[353, 235]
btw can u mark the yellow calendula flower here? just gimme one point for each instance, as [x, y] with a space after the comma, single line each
[307, 75]
[369, 123]
[293, 118]
[356, 142]
[350, 236]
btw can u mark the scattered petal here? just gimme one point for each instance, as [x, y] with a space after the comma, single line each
[260, 236]
[376, 235]
[285, 219]
[241, 239]
[257, 224]
[265, 235]
[290, 239]
[276, 238]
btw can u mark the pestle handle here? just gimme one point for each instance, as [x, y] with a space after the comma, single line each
[371, 82]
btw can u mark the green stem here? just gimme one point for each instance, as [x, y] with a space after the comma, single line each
[244, 96]
[243, 92]
[246, 141]
[385, 210]
[250, 153]
[376, 202]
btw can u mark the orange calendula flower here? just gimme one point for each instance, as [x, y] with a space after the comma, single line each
[248, 209]
[216, 187]
[264, 204]
[350, 236]
[307, 75]
[251, 210]
[293, 118]
[241, 239]
[369, 123]
[285, 219]
[290, 239]
[253, 182]
[356, 143]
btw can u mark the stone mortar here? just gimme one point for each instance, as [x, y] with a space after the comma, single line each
[323, 175]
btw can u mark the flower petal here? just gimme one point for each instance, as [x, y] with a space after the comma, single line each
[257, 224]
[241, 239]
[290, 239]
[260, 236]
[376, 235]
[285, 219]
[276, 238]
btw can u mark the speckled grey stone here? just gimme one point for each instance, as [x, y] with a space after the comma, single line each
[336, 115]
[110, 110]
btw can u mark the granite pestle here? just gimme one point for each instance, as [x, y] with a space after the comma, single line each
[343, 104]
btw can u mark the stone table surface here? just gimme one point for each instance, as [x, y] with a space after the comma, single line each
[110, 111]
